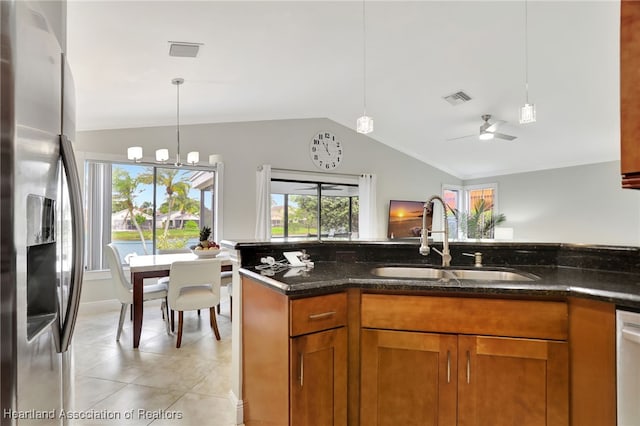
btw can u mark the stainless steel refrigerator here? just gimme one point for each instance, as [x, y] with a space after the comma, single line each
[41, 225]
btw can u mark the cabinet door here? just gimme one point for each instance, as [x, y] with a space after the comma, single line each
[319, 379]
[407, 378]
[630, 93]
[505, 381]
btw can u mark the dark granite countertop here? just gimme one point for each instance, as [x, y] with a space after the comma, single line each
[556, 282]
[606, 273]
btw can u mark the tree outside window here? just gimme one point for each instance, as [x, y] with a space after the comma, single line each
[155, 209]
[313, 210]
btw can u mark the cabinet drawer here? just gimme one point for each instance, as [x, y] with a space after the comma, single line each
[317, 313]
[458, 315]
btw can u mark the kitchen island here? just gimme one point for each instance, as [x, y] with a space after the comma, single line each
[562, 325]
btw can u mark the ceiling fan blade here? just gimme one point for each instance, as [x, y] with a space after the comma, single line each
[503, 136]
[459, 137]
[494, 126]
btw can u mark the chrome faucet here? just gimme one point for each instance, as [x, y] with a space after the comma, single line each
[424, 236]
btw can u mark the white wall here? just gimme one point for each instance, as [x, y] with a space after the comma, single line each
[283, 144]
[581, 204]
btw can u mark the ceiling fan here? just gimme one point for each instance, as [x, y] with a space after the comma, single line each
[488, 130]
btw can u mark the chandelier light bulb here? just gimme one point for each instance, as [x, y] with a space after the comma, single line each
[162, 155]
[134, 153]
[193, 157]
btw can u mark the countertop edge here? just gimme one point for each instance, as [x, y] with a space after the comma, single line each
[539, 289]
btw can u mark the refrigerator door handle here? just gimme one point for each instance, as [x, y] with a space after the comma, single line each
[631, 333]
[77, 223]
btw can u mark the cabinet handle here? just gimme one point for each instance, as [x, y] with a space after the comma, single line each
[468, 367]
[448, 366]
[301, 369]
[322, 315]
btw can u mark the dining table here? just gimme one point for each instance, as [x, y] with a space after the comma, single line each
[157, 266]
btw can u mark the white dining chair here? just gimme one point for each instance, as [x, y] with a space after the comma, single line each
[193, 285]
[226, 280]
[124, 290]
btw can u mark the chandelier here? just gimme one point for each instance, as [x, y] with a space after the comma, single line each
[134, 153]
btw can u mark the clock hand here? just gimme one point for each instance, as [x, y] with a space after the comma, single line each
[326, 148]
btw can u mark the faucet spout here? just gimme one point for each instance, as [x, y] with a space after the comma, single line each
[424, 236]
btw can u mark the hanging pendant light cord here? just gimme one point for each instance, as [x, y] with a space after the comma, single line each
[364, 59]
[526, 51]
[178, 82]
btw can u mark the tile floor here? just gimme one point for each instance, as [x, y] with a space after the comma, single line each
[156, 383]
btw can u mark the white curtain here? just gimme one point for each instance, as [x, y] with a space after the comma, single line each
[263, 203]
[368, 213]
[218, 208]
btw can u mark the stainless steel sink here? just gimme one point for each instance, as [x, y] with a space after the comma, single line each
[409, 272]
[491, 275]
[460, 274]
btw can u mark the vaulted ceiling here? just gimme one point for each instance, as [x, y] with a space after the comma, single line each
[302, 59]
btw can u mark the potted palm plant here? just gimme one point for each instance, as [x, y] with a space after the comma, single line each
[481, 222]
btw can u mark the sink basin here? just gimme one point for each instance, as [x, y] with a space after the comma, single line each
[409, 272]
[460, 274]
[489, 275]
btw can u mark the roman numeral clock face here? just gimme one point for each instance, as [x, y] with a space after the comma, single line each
[326, 151]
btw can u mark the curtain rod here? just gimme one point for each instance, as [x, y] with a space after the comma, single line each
[308, 172]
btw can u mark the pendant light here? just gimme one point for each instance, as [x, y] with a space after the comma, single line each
[364, 124]
[527, 111]
[134, 153]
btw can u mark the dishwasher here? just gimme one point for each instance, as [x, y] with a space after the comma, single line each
[628, 367]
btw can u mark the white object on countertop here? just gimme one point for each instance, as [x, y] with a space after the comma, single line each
[294, 258]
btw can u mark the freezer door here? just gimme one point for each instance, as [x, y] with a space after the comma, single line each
[38, 100]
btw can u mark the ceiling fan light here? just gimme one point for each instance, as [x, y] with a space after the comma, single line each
[485, 136]
[162, 155]
[134, 153]
[193, 157]
[528, 113]
[364, 125]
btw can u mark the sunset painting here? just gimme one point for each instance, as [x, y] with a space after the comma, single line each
[405, 219]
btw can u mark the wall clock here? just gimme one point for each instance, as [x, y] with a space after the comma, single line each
[326, 150]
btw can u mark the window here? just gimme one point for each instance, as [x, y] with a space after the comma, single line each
[473, 210]
[313, 210]
[145, 209]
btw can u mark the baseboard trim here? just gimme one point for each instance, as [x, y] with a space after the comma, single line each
[238, 406]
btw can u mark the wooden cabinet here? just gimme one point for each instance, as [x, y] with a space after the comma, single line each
[507, 381]
[319, 378]
[402, 359]
[425, 378]
[294, 358]
[408, 378]
[630, 93]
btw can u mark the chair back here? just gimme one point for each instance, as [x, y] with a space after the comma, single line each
[190, 273]
[122, 287]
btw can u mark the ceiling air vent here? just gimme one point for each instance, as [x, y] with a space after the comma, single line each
[457, 98]
[184, 49]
